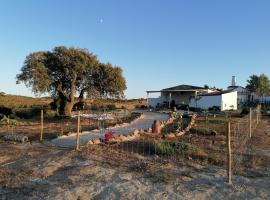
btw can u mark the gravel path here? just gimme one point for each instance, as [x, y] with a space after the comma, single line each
[143, 123]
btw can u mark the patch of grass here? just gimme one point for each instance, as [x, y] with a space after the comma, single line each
[197, 153]
[168, 147]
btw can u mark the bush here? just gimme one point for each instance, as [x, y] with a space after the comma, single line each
[193, 109]
[214, 108]
[111, 107]
[245, 111]
[5, 111]
[27, 113]
[98, 106]
[168, 147]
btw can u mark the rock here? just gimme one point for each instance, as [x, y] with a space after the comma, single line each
[213, 133]
[97, 141]
[136, 132]
[179, 134]
[90, 142]
[15, 138]
[170, 136]
[156, 127]
[125, 177]
[141, 132]
[122, 138]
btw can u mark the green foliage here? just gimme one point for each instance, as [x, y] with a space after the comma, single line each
[27, 113]
[168, 147]
[5, 111]
[65, 72]
[178, 120]
[9, 122]
[259, 84]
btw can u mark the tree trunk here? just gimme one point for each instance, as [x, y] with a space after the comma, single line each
[68, 109]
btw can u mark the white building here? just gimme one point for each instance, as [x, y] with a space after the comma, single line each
[225, 100]
[243, 95]
[175, 96]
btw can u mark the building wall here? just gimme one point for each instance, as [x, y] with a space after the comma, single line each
[229, 101]
[178, 97]
[242, 95]
[206, 102]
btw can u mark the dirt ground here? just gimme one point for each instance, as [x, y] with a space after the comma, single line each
[32, 171]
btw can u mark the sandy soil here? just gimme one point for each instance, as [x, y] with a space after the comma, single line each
[32, 171]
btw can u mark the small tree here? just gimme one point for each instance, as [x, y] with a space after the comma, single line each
[260, 85]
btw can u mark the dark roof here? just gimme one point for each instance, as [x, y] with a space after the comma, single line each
[183, 88]
[216, 93]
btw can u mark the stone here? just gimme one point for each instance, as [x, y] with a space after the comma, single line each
[136, 132]
[141, 132]
[16, 138]
[170, 136]
[179, 134]
[156, 127]
[122, 138]
[90, 142]
[97, 141]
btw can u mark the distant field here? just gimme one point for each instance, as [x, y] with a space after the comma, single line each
[14, 101]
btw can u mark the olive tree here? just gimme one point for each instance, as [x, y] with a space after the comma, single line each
[66, 73]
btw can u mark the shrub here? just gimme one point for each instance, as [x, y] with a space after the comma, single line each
[111, 107]
[245, 111]
[27, 113]
[98, 106]
[168, 147]
[5, 111]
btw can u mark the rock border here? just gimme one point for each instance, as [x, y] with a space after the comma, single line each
[141, 116]
[138, 133]
[185, 131]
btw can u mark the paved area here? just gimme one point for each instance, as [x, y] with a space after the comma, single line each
[144, 123]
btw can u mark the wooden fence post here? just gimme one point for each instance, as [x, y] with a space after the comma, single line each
[229, 154]
[41, 126]
[78, 132]
[250, 122]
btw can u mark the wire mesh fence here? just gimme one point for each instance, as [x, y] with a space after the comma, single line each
[205, 142]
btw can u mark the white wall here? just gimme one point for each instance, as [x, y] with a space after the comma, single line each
[206, 102]
[229, 101]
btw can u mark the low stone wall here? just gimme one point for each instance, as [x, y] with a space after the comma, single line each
[141, 116]
[185, 131]
[118, 138]
[121, 138]
[137, 133]
[15, 138]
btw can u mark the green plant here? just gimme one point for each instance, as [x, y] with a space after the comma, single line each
[9, 122]
[168, 147]
[178, 119]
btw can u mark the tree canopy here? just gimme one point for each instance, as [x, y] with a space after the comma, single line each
[67, 72]
[259, 85]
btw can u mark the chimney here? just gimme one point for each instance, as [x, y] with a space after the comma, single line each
[233, 81]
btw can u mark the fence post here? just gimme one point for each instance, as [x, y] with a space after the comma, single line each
[78, 132]
[41, 126]
[229, 154]
[250, 122]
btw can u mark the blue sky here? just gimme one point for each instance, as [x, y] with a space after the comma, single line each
[157, 43]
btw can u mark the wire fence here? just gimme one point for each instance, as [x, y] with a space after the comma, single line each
[216, 139]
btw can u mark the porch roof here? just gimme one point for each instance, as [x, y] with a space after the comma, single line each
[180, 88]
